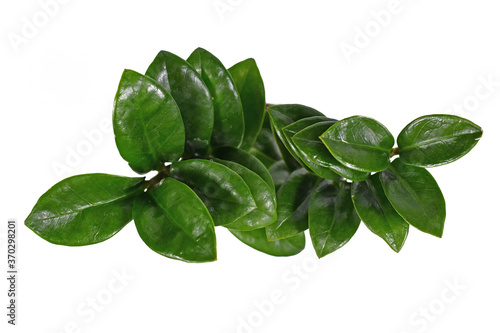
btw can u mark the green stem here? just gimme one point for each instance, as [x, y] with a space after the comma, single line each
[163, 172]
[394, 151]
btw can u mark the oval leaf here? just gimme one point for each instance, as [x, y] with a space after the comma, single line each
[437, 139]
[416, 196]
[182, 81]
[332, 217]
[257, 239]
[246, 76]
[377, 213]
[308, 142]
[265, 211]
[229, 124]
[175, 223]
[84, 209]
[286, 114]
[265, 148]
[223, 191]
[279, 172]
[293, 201]
[360, 143]
[147, 123]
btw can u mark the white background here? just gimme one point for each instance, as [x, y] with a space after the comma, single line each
[61, 80]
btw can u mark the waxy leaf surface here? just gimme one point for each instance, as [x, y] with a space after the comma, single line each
[84, 209]
[182, 81]
[332, 217]
[223, 191]
[360, 143]
[257, 239]
[229, 123]
[416, 196]
[175, 223]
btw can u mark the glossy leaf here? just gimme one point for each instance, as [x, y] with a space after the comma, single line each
[175, 223]
[309, 144]
[286, 114]
[416, 196]
[293, 202]
[265, 148]
[279, 172]
[297, 126]
[257, 239]
[246, 159]
[229, 124]
[377, 213]
[84, 209]
[246, 76]
[332, 217]
[223, 191]
[265, 211]
[182, 81]
[437, 139]
[147, 123]
[360, 143]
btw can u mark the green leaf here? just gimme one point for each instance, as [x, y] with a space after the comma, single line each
[279, 172]
[265, 148]
[229, 124]
[309, 144]
[360, 143]
[246, 76]
[175, 223]
[377, 213]
[147, 123]
[257, 239]
[223, 191]
[332, 217]
[293, 202]
[283, 115]
[437, 139]
[265, 211]
[297, 126]
[84, 209]
[248, 160]
[416, 196]
[182, 81]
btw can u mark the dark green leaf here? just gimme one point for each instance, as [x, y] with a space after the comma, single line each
[265, 212]
[257, 239]
[265, 148]
[229, 124]
[416, 196]
[246, 76]
[182, 81]
[147, 123]
[299, 125]
[175, 223]
[437, 139]
[308, 142]
[360, 143]
[84, 209]
[223, 191]
[377, 212]
[248, 160]
[279, 172]
[293, 201]
[283, 115]
[332, 217]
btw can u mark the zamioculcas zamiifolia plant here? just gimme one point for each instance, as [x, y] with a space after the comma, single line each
[267, 173]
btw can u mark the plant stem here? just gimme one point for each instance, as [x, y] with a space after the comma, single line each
[394, 151]
[163, 172]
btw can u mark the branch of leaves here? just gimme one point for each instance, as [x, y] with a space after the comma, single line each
[347, 175]
[193, 121]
